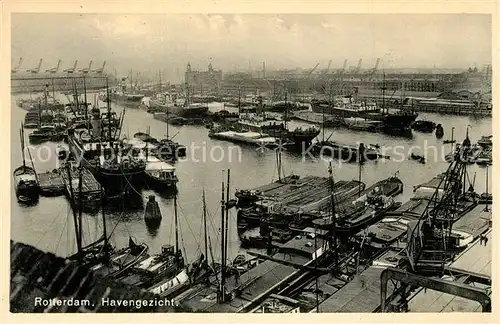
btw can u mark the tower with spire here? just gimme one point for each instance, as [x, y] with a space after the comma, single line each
[203, 80]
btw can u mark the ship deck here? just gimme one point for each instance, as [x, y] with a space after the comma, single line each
[474, 222]
[362, 294]
[89, 183]
[255, 284]
[51, 183]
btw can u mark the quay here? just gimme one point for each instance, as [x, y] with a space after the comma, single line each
[51, 184]
[38, 83]
[474, 261]
[362, 294]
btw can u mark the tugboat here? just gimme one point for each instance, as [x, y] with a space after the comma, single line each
[159, 174]
[419, 158]
[424, 126]
[166, 149]
[348, 153]
[26, 179]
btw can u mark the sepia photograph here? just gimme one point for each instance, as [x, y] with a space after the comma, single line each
[250, 162]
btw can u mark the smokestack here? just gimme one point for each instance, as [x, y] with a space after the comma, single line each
[263, 69]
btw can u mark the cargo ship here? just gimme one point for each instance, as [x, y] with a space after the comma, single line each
[107, 157]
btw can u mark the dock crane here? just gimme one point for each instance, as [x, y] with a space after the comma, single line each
[358, 68]
[431, 245]
[371, 72]
[86, 70]
[71, 70]
[375, 68]
[325, 71]
[430, 238]
[54, 69]
[101, 69]
[37, 69]
[308, 75]
[343, 67]
[14, 70]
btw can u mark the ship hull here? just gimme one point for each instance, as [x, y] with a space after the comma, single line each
[127, 101]
[175, 110]
[398, 122]
[26, 192]
[160, 184]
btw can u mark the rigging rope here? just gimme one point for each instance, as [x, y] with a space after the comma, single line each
[52, 223]
[190, 229]
[60, 237]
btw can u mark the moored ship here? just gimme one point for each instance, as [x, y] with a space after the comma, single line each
[107, 157]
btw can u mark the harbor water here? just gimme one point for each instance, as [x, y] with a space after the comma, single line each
[48, 225]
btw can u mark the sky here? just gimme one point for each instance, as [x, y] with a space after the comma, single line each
[149, 42]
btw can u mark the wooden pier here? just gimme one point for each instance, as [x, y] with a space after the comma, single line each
[51, 184]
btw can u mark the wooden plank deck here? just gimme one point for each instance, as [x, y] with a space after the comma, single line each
[89, 183]
[474, 222]
[51, 183]
[362, 294]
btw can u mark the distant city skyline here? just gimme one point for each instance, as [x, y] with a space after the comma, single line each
[241, 42]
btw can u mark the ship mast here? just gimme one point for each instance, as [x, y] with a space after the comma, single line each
[76, 97]
[176, 225]
[278, 161]
[286, 108]
[108, 106]
[205, 224]
[21, 135]
[383, 95]
[487, 209]
[222, 292]
[75, 218]
[80, 202]
[316, 267]
[104, 232]
[53, 91]
[187, 101]
[131, 83]
[333, 242]
[239, 100]
[45, 94]
[159, 77]
[86, 107]
[226, 228]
